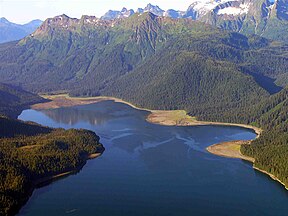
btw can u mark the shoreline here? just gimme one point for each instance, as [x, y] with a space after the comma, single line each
[229, 149]
[47, 180]
[271, 176]
[64, 174]
[161, 117]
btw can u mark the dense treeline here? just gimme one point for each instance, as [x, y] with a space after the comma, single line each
[202, 86]
[270, 152]
[271, 149]
[25, 160]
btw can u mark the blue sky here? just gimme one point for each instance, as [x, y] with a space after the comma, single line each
[23, 11]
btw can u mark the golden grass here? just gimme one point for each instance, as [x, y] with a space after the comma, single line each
[230, 149]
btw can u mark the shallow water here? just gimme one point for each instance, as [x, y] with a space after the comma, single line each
[151, 169]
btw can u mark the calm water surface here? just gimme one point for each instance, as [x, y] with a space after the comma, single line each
[150, 169]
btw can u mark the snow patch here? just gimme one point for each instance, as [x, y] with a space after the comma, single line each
[242, 9]
[203, 6]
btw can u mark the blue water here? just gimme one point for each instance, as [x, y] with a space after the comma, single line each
[150, 169]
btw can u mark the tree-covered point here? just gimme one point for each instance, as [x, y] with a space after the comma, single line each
[25, 160]
[30, 152]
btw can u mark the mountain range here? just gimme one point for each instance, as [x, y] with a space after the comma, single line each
[11, 31]
[262, 17]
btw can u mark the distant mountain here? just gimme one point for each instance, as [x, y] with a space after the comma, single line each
[10, 31]
[261, 17]
[117, 14]
[156, 10]
[152, 9]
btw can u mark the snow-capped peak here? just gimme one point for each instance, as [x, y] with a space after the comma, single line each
[199, 8]
[154, 9]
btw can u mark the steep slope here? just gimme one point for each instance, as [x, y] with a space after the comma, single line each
[262, 17]
[89, 57]
[187, 80]
[270, 150]
[10, 31]
[13, 100]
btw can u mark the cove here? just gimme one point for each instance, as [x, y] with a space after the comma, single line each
[150, 169]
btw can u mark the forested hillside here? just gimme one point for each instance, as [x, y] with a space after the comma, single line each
[25, 160]
[171, 63]
[13, 100]
[271, 148]
[189, 81]
[31, 153]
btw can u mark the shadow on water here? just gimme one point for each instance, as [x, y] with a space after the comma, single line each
[45, 182]
[266, 82]
[259, 174]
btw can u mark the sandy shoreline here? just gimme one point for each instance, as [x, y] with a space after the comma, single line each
[168, 118]
[230, 149]
[64, 100]
[162, 117]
